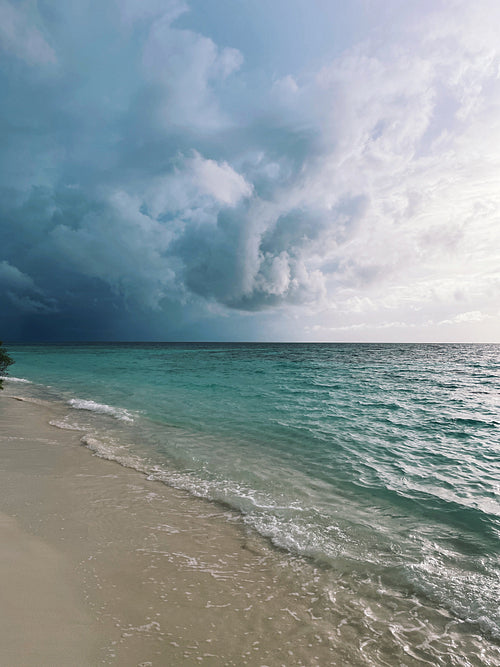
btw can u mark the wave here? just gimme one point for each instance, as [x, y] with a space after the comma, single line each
[13, 379]
[101, 408]
[470, 596]
[65, 425]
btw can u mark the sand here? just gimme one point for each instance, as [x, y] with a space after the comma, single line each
[98, 565]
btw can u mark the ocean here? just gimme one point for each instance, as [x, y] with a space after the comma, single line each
[377, 464]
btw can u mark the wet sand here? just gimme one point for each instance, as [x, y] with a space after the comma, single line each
[98, 565]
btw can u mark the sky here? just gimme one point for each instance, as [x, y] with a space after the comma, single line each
[279, 170]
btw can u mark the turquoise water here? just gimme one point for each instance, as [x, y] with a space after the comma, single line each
[382, 461]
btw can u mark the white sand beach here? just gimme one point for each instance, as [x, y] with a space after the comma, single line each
[98, 565]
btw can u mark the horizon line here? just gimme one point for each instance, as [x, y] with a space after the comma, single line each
[243, 342]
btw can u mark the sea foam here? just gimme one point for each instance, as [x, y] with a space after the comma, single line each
[59, 423]
[101, 408]
[13, 379]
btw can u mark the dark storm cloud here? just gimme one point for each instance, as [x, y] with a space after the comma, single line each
[153, 180]
[105, 206]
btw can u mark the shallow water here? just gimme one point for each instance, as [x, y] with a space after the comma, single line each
[380, 464]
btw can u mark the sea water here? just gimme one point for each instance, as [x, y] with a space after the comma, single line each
[379, 464]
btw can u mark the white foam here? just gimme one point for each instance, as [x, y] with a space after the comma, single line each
[101, 408]
[114, 452]
[12, 379]
[65, 425]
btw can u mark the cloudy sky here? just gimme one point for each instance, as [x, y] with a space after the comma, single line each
[250, 170]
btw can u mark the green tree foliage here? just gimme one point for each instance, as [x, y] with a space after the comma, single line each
[5, 361]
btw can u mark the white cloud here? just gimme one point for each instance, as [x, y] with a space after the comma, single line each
[187, 67]
[196, 184]
[470, 316]
[145, 10]
[218, 180]
[411, 127]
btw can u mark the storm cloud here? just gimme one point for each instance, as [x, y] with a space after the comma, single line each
[158, 182]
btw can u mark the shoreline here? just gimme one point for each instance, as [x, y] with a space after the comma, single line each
[138, 573]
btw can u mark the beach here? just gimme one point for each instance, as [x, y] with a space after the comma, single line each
[101, 566]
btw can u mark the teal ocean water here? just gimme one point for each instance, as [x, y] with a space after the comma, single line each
[379, 463]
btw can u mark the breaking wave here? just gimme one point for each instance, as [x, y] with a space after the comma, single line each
[101, 408]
